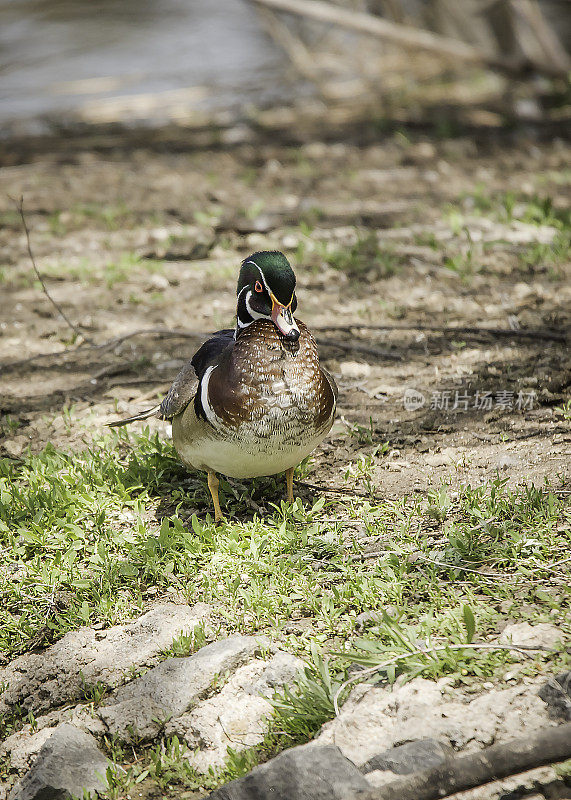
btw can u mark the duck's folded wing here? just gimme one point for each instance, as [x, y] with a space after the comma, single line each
[180, 394]
[210, 350]
[187, 381]
[332, 384]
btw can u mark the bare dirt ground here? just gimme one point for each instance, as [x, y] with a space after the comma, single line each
[405, 248]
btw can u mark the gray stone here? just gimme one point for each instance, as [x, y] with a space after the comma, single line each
[319, 773]
[237, 715]
[68, 763]
[410, 757]
[366, 618]
[373, 719]
[507, 462]
[564, 680]
[38, 682]
[22, 747]
[523, 634]
[141, 708]
[556, 693]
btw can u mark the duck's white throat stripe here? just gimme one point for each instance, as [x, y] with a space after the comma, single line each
[250, 310]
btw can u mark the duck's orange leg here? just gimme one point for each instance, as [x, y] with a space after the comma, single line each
[213, 484]
[289, 482]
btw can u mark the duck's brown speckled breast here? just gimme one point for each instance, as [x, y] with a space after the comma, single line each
[272, 386]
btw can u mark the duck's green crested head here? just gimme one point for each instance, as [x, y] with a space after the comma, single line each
[266, 289]
[275, 271]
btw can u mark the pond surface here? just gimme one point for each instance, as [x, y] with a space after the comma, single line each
[133, 61]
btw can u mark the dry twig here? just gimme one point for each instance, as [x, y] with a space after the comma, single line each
[529, 333]
[58, 308]
[547, 746]
[349, 347]
[403, 35]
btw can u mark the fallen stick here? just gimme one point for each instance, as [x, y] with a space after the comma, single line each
[359, 348]
[548, 746]
[58, 308]
[538, 333]
[524, 333]
[405, 35]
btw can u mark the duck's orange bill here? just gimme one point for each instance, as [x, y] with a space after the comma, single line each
[283, 320]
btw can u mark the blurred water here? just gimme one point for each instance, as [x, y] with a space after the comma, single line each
[135, 60]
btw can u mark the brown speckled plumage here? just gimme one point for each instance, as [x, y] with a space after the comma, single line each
[253, 401]
[270, 404]
[264, 370]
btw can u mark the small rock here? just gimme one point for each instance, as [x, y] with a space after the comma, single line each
[423, 151]
[168, 690]
[507, 462]
[368, 618]
[290, 242]
[160, 234]
[171, 365]
[302, 773]
[556, 693]
[68, 764]
[409, 757]
[39, 682]
[159, 282]
[236, 716]
[523, 634]
[374, 719]
[16, 446]
[441, 459]
[22, 747]
[353, 369]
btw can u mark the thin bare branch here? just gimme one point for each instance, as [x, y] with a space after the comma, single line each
[457, 774]
[349, 347]
[403, 35]
[519, 333]
[58, 308]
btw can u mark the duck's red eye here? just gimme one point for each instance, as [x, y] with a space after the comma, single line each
[258, 287]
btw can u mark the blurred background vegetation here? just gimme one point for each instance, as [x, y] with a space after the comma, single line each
[70, 64]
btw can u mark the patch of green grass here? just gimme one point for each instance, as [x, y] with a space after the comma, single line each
[365, 257]
[86, 272]
[392, 648]
[166, 766]
[187, 643]
[300, 711]
[113, 216]
[509, 206]
[365, 434]
[8, 425]
[85, 536]
[120, 271]
[426, 239]
[461, 263]
[548, 256]
[93, 692]
[565, 410]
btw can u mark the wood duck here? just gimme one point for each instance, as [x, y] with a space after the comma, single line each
[253, 400]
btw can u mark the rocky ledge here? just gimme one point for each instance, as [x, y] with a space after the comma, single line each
[218, 697]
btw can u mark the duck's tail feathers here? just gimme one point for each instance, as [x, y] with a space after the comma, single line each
[150, 412]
